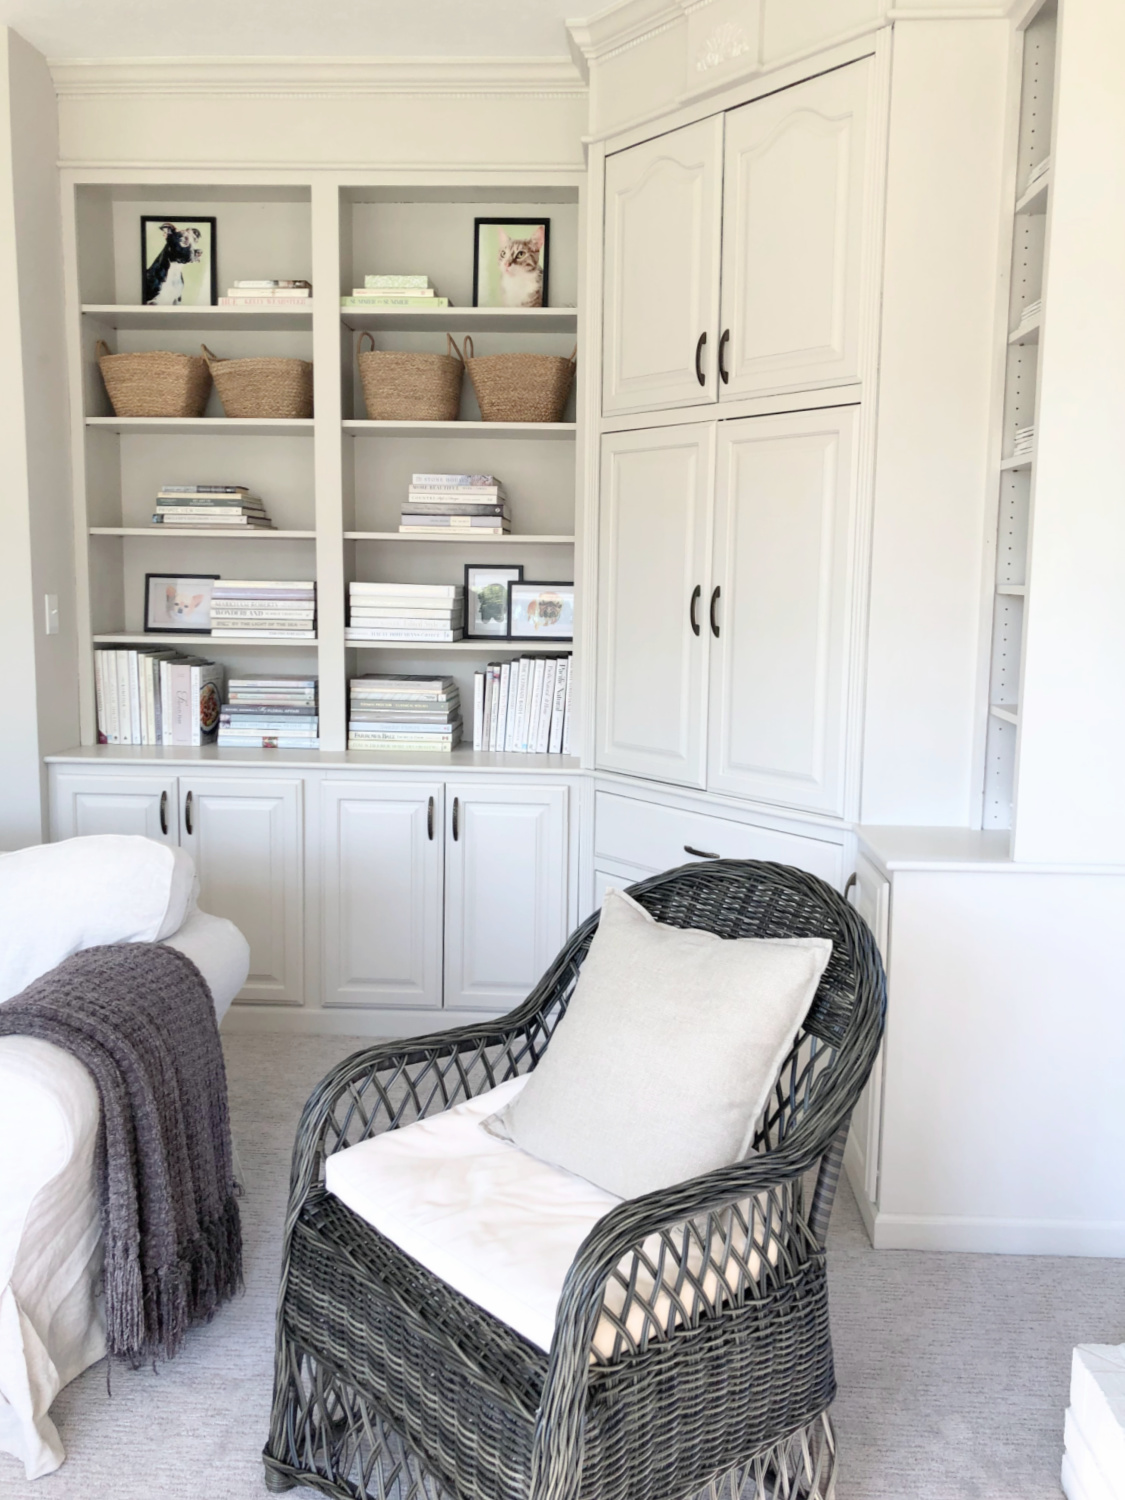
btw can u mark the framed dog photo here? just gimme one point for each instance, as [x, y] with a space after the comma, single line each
[178, 267]
[486, 598]
[540, 611]
[510, 262]
[177, 604]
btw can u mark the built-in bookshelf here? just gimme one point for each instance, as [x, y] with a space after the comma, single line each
[1028, 310]
[332, 483]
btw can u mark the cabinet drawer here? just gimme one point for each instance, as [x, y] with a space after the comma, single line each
[650, 837]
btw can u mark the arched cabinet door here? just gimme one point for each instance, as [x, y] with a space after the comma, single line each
[663, 214]
[794, 188]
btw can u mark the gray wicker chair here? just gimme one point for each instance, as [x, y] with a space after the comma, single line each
[389, 1383]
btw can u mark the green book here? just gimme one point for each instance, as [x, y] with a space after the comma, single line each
[393, 281]
[376, 300]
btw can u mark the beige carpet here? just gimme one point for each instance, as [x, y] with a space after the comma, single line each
[953, 1369]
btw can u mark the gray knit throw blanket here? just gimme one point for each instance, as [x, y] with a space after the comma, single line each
[140, 1017]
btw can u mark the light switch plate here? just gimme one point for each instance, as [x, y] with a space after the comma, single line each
[51, 613]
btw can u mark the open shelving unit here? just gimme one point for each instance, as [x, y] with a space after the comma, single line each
[332, 484]
[1027, 285]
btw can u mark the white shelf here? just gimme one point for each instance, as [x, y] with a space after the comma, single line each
[1034, 200]
[1026, 333]
[462, 319]
[1016, 590]
[463, 759]
[1009, 712]
[174, 639]
[1024, 461]
[497, 643]
[226, 426]
[238, 319]
[522, 538]
[195, 532]
[525, 430]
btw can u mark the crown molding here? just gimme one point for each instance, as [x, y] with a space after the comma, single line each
[311, 77]
[621, 26]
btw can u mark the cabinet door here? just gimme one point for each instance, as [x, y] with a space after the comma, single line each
[662, 235]
[783, 566]
[794, 188]
[106, 802]
[246, 836]
[653, 590]
[381, 884]
[871, 898]
[505, 890]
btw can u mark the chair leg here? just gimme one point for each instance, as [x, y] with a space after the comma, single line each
[276, 1482]
[799, 1467]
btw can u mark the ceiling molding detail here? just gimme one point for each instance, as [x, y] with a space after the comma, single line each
[538, 77]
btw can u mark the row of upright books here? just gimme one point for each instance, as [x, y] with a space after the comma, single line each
[263, 609]
[405, 612]
[449, 505]
[150, 696]
[395, 712]
[523, 706]
[270, 713]
[411, 291]
[230, 506]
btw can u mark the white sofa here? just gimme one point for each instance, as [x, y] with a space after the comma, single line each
[54, 900]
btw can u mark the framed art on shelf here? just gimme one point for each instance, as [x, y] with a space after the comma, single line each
[540, 611]
[486, 598]
[178, 266]
[178, 604]
[510, 262]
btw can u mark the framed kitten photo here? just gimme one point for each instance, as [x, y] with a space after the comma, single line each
[511, 260]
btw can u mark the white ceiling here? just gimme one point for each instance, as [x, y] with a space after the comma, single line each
[292, 28]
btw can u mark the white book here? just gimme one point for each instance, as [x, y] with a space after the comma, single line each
[554, 741]
[406, 607]
[566, 710]
[536, 703]
[166, 702]
[486, 718]
[478, 710]
[147, 665]
[135, 699]
[121, 680]
[493, 740]
[430, 590]
[527, 674]
[550, 671]
[99, 697]
[363, 634]
[512, 725]
[505, 706]
[521, 703]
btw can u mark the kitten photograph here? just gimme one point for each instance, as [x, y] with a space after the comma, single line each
[510, 263]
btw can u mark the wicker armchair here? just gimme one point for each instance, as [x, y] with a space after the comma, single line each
[389, 1383]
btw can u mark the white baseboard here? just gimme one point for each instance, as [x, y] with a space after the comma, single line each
[853, 1169]
[291, 1020]
[1092, 1237]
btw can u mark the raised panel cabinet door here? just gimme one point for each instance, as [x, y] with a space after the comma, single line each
[794, 189]
[663, 210]
[83, 803]
[381, 885]
[781, 621]
[506, 883]
[246, 835]
[653, 585]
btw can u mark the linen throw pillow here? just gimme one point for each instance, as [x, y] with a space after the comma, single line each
[669, 1048]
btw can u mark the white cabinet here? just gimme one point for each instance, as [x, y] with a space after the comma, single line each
[381, 891]
[793, 221]
[662, 235]
[137, 802]
[652, 595]
[780, 610]
[246, 836]
[506, 890]
[871, 898]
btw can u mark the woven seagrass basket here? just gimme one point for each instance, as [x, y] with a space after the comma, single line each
[520, 387]
[155, 383]
[262, 387]
[402, 387]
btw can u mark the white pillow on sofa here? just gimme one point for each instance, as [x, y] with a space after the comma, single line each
[56, 899]
[667, 1053]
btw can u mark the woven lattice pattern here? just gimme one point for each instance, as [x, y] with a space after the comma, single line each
[691, 1351]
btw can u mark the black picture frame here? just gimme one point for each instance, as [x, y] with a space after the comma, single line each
[184, 222]
[539, 583]
[164, 628]
[513, 221]
[491, 567]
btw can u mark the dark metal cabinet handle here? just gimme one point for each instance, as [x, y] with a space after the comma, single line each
[692, 616]
[714, 623]
[850, 884]
[723, 375]
[456, 819]
[187, 814]
[699, 375]
[164, 813]
[430, 820]
[700, 853]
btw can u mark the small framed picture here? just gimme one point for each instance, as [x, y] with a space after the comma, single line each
[178, 605]
[178, 266]
[540, 611]
[510, 262]
[486, 598]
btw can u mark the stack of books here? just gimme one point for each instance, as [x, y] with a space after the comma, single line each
[1024, 444]
[230, 506]
[1029, 317]
[404, 713]
[405, 612]
[270, 713]
[264, 609]
[154, 696]
[523, 706]
[446, 505]
[414, 292]
[266, 293]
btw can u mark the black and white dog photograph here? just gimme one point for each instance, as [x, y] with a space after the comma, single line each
[177, 261]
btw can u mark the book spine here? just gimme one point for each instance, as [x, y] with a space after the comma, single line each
[165, 703]
[521, 703]
[502, 716]
[554, 742]
[376, 301]
[566, 710]
[486, 716]
[454, 481]
[365, 634]
[99, 697]
[393, 281]
[536, 704]
[494, 720]
[180, 682]
[550, 671]
[478, 710]
[145, 667]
